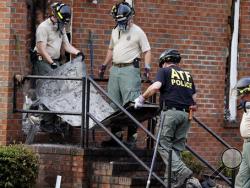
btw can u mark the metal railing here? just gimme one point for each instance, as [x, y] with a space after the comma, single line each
[85, 114]
[223, 142]
[82, 114]
[90, 80]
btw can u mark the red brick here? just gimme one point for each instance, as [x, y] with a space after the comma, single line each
[199, 30]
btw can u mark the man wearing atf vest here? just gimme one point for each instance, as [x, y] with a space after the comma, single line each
[50, 38]
[177, 100]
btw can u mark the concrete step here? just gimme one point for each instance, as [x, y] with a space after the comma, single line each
[128, 169]
[115, 168]
[123, 182]
[118, 154]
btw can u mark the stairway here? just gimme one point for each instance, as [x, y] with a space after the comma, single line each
[115, 168]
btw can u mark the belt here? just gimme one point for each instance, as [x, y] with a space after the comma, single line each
[122, 64]
[175, 108]
[40, 58]
[246, 140]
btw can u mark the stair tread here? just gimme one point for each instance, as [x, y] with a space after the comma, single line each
[124, 180]
[127, 165]
[119, 154]
[128, 169]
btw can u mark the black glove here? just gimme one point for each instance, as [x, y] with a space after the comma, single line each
[146, 73]
[80, 54]
[53, 65]
[102, 71]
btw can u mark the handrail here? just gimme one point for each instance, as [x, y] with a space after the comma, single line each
[223, 142]
[208, 165]
[126, 148]
[53, 77]
[211, 132]
[149, 133]
[82, 114]
[85, 119]
[121, 108]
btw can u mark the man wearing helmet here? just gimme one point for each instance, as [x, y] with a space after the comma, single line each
[128, 42]
[177, 98]
[50, 38]
[243, 91]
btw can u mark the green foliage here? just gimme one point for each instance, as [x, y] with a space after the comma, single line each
[227, 172]
[18, 167]
[193, 163]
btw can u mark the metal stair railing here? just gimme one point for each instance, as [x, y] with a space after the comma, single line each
[90, 80]
[208, 165]
[223, 142]
[212, 132]
[82, 114]
[86, 115]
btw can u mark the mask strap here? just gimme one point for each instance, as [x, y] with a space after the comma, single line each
[242, 105]
[60, 27]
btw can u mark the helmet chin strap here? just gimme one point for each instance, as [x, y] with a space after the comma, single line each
[60, 27]
[123, 28]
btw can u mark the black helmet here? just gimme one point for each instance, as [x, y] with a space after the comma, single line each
[62, 12]
[169, 55]
[243, 86]
[122, 13]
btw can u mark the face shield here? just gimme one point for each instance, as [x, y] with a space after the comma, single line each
[62, 13]
[123, 24]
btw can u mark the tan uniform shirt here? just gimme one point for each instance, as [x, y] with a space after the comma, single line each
[245, 125]
[47, 32]
[129, 45]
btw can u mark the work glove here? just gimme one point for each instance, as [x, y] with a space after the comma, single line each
[80, 54]
[53, 65]
[193, 107]
[146, 71]
[102, 71]
[139, 101]
[19, 79]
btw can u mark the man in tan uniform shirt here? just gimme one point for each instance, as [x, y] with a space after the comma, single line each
[243, 90]
[128, 42]
[50, 38]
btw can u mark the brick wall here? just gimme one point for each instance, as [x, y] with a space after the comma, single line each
[244, 48]
[13, 59]
[199, 29]
[6, 64]
[68, 162]
[4, 59]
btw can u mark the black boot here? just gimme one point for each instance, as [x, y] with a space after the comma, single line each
[132, 137]
[111, 142]
[182, 177]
